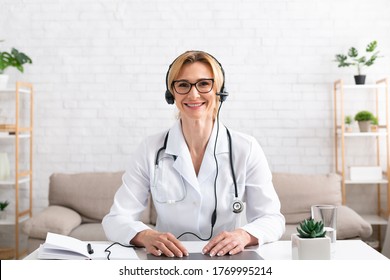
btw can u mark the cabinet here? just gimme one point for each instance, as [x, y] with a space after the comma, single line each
[16, 137]
[348, 100]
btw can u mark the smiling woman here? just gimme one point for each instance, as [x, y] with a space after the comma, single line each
[195, 171]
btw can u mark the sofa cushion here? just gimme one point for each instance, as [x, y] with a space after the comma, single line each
[350, 224]
[89, 232]
[298, 192]
[89, 194]
[56, 219]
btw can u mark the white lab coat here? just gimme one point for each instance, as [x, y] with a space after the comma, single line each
[184, 201]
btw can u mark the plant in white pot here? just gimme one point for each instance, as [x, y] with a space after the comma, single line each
[348, 123]
[374, 124]
[352, 58]
[11, 59]
[3, 205]
[364, 119]
[310, 243]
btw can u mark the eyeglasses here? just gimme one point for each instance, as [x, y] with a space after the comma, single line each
[184, 87]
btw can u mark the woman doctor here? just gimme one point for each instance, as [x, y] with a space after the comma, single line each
[198, 173]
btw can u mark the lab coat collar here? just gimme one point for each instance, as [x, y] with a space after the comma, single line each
[177, 146]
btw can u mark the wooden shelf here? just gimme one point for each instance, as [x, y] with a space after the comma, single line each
[10, 220]
[375, 219]
[6, 135]
[12, 90]
[366, 182]
[12, 182]
[379, 148]
[363, 134]
[367, 86]
[12, 133]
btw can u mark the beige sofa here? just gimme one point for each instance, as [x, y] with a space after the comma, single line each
[78, 202]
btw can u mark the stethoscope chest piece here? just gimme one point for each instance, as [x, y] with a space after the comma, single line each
[238, 206]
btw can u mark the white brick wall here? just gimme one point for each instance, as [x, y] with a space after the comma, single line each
[99, 73]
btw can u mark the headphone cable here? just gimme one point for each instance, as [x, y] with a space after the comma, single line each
[214, 215]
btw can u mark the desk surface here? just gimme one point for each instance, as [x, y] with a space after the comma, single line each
[281, 250]
[344, 250]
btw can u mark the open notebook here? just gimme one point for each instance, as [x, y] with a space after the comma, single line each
[62, 247]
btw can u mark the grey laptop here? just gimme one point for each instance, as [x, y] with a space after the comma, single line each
[244, 255]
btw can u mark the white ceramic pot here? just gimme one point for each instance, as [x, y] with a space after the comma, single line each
[364, 126]
[4, 167]
[3, 215]
[310, 248]
[3, 81]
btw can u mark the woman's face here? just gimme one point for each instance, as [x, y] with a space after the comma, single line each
[195, 105]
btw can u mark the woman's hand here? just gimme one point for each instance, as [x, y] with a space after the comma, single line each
[158, 243]
[229, 243]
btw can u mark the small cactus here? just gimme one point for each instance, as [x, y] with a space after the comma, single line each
[310, 228]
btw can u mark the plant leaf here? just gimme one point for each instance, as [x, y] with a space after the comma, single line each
[371, 46]
[353, 52]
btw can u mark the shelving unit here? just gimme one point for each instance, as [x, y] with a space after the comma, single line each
[12, 134]
[341, 138]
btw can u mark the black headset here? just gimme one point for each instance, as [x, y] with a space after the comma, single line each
[223, 93]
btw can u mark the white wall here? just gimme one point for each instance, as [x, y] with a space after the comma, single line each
[99, 73]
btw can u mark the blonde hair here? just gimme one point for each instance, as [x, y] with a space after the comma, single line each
[196, 56]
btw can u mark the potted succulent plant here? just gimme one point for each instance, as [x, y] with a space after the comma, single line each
[3, 205]
[364, 119]
[352, 58]
[11, 59]
[348, 123]
[310, 243]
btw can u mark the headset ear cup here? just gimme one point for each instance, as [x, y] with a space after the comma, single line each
[169, 97]
[223, 95]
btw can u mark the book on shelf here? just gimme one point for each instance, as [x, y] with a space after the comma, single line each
[62, 247]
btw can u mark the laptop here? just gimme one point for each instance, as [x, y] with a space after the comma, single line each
[244, 255]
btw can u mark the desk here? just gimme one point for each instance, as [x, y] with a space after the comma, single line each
[281, 250]
[345, 250]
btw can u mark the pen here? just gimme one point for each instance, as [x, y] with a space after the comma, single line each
[89, 247]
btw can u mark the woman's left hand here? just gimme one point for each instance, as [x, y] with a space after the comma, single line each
[229, 243]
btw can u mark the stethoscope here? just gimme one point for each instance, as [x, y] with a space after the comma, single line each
[237, 205]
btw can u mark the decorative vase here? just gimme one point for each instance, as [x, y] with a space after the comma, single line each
[3, 81]
[4, 167]
[364, 126]
[360, 79]
[310, 248]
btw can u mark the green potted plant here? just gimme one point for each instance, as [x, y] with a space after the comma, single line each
[11, 59]
[311, 242]
[364, 119]
[348, 123]
[3, 205]
[352, 58]
[374, 124]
